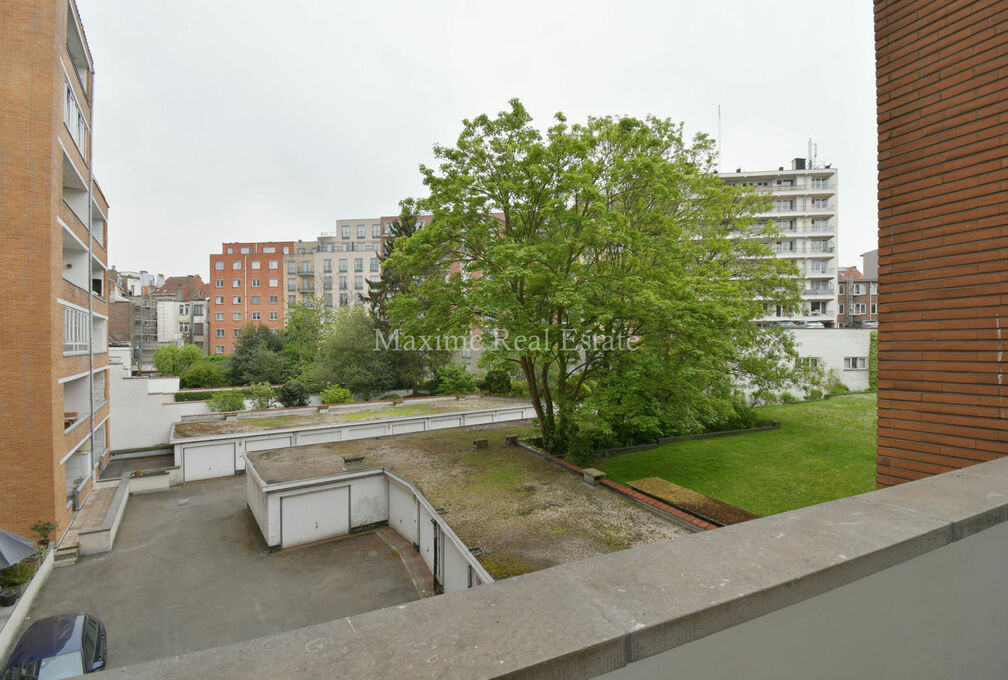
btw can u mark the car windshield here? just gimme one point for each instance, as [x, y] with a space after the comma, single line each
[55, 667]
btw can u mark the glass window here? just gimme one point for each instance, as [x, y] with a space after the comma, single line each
[269, 249]
[273, 264]
[343, 299]
[292, 299]
[236, 299]
[342, 265]
[246, 250]
[345, 231]
[230, 251]
[256, 283]
[291, 266]
[236, 316]
[361, 231]
[342, 283]
[256, 264]
[256, 299]
[236, 332]
[291, 284]
[219, 299]
[220, 331]
[375, 230]
[358, 264]
[273, 299]
[273, 283]
[358, 282]
[219, 265]
[219, 349]
[236, 264]
[327, 265]
[219, 283]
[286, 250]
[236, 283]
[255, 316]
[219, 316]
[274, 316]
[374, 264]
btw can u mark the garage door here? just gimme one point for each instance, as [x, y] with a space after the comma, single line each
[314, 515]
[207, 462]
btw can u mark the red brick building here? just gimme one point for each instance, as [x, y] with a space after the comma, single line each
[857, 293]
[54, 394]
[943, 235]
[246, 286]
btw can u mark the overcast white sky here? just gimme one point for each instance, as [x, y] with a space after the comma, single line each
[227, 121]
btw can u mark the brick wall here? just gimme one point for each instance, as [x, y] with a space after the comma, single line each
[943, 235]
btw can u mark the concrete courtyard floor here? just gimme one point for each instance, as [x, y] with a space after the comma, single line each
[190, 571]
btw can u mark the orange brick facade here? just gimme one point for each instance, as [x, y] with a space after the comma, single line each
[242, 290]
[942, 86]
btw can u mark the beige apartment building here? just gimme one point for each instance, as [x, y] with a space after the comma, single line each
[54, 423]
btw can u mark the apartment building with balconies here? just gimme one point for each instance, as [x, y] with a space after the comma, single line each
[803, 207]
[55, 417]
[246, 286]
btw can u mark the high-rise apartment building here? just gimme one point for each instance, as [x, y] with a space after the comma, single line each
[54, 422]
[803, 206]
[246, 286]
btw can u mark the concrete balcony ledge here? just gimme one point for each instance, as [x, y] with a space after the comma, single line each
[902, 582]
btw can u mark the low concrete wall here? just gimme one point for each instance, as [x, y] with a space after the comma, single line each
[240, 443]
[376, 496]
[10, 628]
[151, 482]
[903, 582]
[93, 541]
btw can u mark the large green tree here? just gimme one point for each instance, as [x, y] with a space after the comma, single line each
[303, 328]
[411, 366]
[258, 357]
[607, 261]
[348, 355]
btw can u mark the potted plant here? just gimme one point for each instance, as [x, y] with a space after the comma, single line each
[13, 580]
[42, 530]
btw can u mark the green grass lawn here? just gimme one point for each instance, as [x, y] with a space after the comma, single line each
[822, 451]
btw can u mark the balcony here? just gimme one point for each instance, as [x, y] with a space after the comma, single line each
[306, 272]
[819, 292]
[306, 289]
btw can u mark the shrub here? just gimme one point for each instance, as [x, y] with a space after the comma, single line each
[763, 397]
[519, 389]
[335, 394]
[392, 395]
[832, 384]
[18, 573]
[453, 379]
[194, 396]
[42, 530]
[813, 393]
[497, 382]
[293, 393]
[742, 417]
[839, 388]
[873, 361]
[261, 395]
[203, 374]
[788, 398]
[227, 400]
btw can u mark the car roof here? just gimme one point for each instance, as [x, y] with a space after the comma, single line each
[49, 637]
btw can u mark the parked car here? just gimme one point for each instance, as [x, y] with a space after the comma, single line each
[61, 646]
[815, 324]
[871, 324]
[788, 324]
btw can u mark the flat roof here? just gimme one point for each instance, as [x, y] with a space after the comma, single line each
[525, 513]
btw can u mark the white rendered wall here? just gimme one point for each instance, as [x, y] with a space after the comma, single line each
[143, 409]
[831, 345]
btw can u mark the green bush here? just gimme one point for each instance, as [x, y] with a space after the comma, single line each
[194, 396]
[334, 394]
[838, 388]
[227, 400]
[293, 393]
[788, 398]
[453, 379]
[261, 395]
[18, 573]
[391, 395]
[873, 361]
[172, 360]
[742, 417]
[203, 374]
[496, 382]
[763, 397]
[813, 393]
[519, 389]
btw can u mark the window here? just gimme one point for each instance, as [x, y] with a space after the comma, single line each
[375, 230]
[786, 225]
[820, 225]
[236, 283]
[347, 247]
[219, 316]
[274, 316]
[291, 284]
[219, 349]
[306, 267]
[376, 246]
[291, 266]
[197, 329]
[236, 300]
[858, 307]
[873, 287]
[236, 332]
[841, 288]
[342, 265]
[330, 247]
[358, 264]
[819, 266]
[327, 265]
[236, 264]
[197, 310]
[219, 283]
[273, 299]
[327, 283]
[219, 300]
[236, 316]
[292, 299]
[855, 363]
[246, 250]
[255, 316]
[345, 231]
[343, 299]
[256, 299]
[361, 231]
[810, 362]
[256, 264]
[286, 250]
[874, 308]
[358, 282]
[183, 309]
[820, 203]
[273, 264]
[219, 265]
[858, 289]
[820, 182]
[256, 283]
[269, 249]
[274, 283]
[230, 251]
[783, 206]
[840, 307]
[74, 120]
[374, 264]
[220, 331]
[300, 251]
[342, 282]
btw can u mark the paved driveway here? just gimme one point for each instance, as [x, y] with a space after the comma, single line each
[190, 571]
